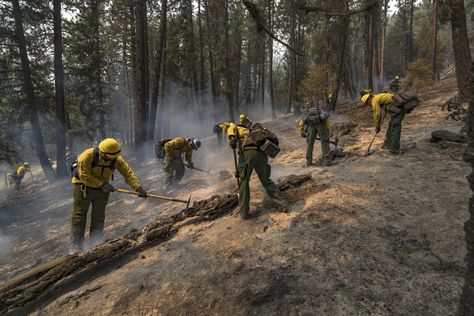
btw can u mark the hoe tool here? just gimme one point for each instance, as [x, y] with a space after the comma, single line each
[159, 197]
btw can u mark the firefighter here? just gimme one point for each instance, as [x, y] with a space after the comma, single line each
[395, 85]
[383, 101]
[19, 174]
[252, 157]
[90, 176]
[221, 131]
[244, 121]
[315, 123]
[173, 161]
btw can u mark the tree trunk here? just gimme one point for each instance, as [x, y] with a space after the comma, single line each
[467, 297]
[30, 93]
[408, 52]
[227, 63]
[462, 52]
[292, 71]
[382, 49]
[370, 52]
[345, 31]
[271, 4]
[210, 49]
[202, 78]
[97, 62]
[61, 169]
[140, 74]
[160, 44]
[434, 40]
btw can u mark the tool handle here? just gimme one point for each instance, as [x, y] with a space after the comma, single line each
[154, 196]
[236, 167]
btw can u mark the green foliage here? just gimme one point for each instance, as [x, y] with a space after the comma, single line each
[418, 75]
[313, 86]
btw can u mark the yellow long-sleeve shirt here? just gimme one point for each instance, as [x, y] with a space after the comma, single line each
[179, 146]
[20, 171]
[379, 101]
[98, 176]
[237, 131]
[223, 127]
[302, 125]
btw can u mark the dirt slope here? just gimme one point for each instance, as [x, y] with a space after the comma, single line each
[378, 235]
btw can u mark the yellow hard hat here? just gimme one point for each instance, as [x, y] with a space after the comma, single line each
[26, 164]
[110, 147]
[242, 117]
[364, 98]
[397, 77]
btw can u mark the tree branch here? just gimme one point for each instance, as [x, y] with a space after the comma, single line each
[261, 25]
[326, 12]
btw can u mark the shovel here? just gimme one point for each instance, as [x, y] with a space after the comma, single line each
[159, 197]
[368, 153]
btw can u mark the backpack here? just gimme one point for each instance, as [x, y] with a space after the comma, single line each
[313, 117]
[265, 139]
[216, 129]
[405, 100]
[160, 148]
[95, 163]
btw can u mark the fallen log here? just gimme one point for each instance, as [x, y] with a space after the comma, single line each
[438, 136]
[29, 286]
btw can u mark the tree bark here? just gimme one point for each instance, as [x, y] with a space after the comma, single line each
[97, 62]
[382, 49]
[140, 74]
[370, 52]
[434, 40]
[30, 93]
[292, 71]
[462, 52]
[467, 297]
[345, 31]
[271, 4]
[61, 168]
[227, 63]
[160, 44]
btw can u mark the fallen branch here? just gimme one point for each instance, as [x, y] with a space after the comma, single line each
[29, 286]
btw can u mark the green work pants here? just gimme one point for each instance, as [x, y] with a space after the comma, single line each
[392, 137]
[249, 160]
[313, 131]
[17, 179]
[174, 169]
[98, 199]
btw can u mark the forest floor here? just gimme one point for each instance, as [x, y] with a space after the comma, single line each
[375, 235]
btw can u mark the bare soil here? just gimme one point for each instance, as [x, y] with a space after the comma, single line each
[375, 235]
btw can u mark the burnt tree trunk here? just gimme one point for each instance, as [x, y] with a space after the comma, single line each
[462, 52]
[227, 65]
[434, 40]
[160, 44]
[467, 297]
[140, 74]
[30, 93]
[271, 5]
[61, 169]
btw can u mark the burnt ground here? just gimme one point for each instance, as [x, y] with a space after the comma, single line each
[378, 235]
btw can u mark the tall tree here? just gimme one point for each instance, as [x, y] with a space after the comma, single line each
[160, 44]
[462, 52]
[30, 92]
[434, 39]
[140, 74]
[467, 297]
[61, 169]
[271, 9]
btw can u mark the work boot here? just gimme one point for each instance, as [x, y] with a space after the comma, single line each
[308, 164]
[396, 153]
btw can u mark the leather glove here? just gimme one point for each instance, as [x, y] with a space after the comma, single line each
[107, 188]
[190, 165]
[233, 142]
[304, 135]
[377, 129]
[142, 192]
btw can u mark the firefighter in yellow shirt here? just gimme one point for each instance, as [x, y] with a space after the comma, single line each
[19, 174]
[91, 175]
